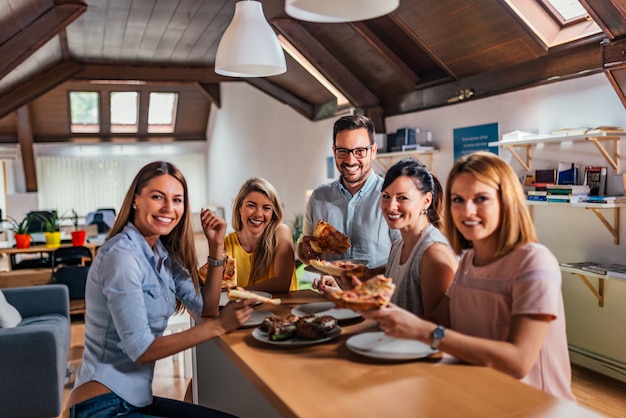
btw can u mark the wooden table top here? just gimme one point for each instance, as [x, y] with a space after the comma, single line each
[40, 248]
[329, 380]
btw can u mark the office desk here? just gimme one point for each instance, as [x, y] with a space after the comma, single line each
[33, 249]
[240, 375]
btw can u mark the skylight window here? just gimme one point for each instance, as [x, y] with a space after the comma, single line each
[565, 12]
[162, 112]
[84, 112]
[124, 111]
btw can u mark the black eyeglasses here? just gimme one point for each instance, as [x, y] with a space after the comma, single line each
[357, 152]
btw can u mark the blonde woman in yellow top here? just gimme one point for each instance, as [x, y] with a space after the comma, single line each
[261, 244]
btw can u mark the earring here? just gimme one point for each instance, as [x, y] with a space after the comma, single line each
[425, 212]
[135, 207]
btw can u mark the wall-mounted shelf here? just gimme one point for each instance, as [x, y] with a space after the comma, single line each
[384, 160]
[595, 208]
[585, 275]
[612, 157]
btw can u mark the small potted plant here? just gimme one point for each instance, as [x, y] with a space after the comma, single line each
[50, 226]
[79, 236]
[20, 231]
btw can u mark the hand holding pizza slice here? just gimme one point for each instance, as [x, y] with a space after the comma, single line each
[335, 268]
[326, 239]
[369, 295]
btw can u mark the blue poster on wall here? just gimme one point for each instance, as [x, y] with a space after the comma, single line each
[475, 138]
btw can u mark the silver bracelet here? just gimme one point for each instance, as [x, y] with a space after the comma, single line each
[214, 262]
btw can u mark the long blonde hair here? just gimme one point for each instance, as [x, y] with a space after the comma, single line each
[515, 224]
[179, 242]
[264, 252]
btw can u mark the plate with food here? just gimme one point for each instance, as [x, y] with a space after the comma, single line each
[326, 239]
[372, 294]
[325, 308]
[296, 331]
[335, 267]
[378, 345]
[240, 293]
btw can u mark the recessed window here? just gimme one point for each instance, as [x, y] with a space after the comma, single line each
[162, 112]
[565, 12]
[84, 112]
[124, 111]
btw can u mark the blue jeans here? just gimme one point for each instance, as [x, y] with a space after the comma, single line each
[111, 405]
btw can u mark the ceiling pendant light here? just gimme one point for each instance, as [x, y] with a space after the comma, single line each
[335, 11]
[249, 46]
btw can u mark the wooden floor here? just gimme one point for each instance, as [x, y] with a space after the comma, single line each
[594, 391]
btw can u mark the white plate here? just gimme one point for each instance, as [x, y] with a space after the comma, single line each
[324, 308]
[224, 296]
[260, 335]
[378, 345]
[256, 319]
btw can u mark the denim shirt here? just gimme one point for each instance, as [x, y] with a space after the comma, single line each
[358, 216]
[129, 299]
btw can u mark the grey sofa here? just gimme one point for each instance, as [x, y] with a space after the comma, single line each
[33, 355]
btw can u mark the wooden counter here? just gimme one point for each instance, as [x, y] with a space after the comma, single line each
[238, 374]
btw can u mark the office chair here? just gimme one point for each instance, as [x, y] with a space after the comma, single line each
[75, 278]
[70, 256]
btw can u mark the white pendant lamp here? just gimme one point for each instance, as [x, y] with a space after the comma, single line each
[335, 11]
[249, 46]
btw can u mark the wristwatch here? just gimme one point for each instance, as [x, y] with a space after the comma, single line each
[213, 262]
[437, 336]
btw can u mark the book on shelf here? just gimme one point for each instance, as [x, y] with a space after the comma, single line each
[537, 193]
[544, 177]
[570, 131]
[567, 189]
[567, 198]
[595, 178]
[417, 147]
[605, 129]
[578, 264]
[606, 199]
[567, 173]
[599, 268]
[537, 198]
[619, 273]
[517, 135]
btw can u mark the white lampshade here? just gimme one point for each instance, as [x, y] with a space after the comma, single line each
[249, 46]
[335, 11]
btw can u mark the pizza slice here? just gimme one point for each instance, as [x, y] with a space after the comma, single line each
[369, 295]
[229, 273]
[335, 268]
[229, 276]
[328, 240]
[239, 293]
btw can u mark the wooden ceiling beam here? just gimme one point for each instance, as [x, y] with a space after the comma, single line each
[410, 77]
[565, 64]
[212, 92]
[31, 89]
[25, 139]
[25, 42]
[304, 108]
[610, 15]
[357, 93]
[154, 73]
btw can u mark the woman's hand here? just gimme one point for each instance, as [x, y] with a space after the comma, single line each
[326, 284]
[235, 314]
[213, 226]
[399, 323]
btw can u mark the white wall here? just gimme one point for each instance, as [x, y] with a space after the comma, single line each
[255, 135]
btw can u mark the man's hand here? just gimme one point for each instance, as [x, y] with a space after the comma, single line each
[305, 251]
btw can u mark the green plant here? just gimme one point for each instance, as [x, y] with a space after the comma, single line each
[74, 218]
[49, 223]
[296, 227]
[19, 227]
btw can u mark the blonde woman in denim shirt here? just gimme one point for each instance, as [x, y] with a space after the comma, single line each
[145, 271]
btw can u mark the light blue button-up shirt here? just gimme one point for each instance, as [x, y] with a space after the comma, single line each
[358, 216]
[129, 299]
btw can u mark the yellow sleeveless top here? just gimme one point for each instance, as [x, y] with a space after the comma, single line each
[233, 248]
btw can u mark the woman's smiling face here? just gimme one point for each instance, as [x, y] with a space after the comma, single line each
[159, 207]
[256, 212]
[475, 209]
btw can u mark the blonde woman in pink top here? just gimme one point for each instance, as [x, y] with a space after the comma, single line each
[506, 306]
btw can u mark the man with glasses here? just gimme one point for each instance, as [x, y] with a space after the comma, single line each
[351, 203]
